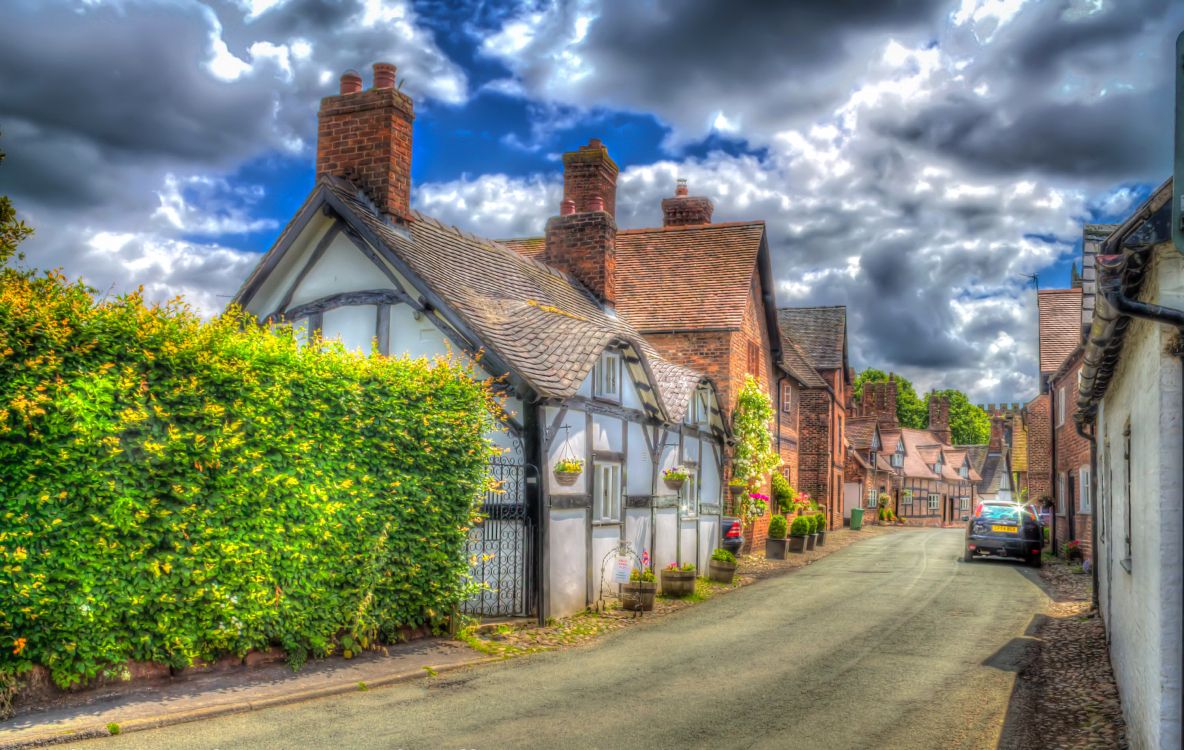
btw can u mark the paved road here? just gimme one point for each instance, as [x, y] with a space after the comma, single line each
[890, 643]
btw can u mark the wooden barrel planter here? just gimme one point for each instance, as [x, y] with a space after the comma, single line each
[775, 549]
[638, 596]
[797, 544]
[721, 572]
[678, 582]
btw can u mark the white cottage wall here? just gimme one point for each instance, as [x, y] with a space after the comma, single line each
[665, 537]
[639, 467]
[567, 561]
[353, 326]
[570, 442]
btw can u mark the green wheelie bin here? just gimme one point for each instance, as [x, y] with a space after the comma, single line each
[856, 519]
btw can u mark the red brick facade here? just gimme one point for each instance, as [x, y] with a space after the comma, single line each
[822, 450]
[584, 245]
[589, 174]
[1074, 519]
[365, 137]
[1037, 418]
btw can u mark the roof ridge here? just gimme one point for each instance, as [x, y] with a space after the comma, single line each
[695, 227]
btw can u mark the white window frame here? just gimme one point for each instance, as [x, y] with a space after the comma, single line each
[934, 502]
[606, 494]
[688, 497]
[897, 460]
[606, 377]
[1086, 504]
[697, 412]
[787, 398]
[1061, 406]
[1061, 488]
[873, 498]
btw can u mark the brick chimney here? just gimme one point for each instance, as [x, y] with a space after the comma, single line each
[879, 401]
[684, 210]
[995, 444]
[582, 240]
[939, 418]
[365, 137]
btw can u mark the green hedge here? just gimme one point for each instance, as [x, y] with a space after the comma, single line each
[173, 490]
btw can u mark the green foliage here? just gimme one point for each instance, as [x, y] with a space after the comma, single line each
[910, 410]
[799, 527]
[777, 527]
[783, 493]
[676, 474]
[569, 466]
[174, 491]
[819, 523]
[969, 424]
[723, 556]
[12, 230]
[646, 575]
[812, 520]
[753, 456]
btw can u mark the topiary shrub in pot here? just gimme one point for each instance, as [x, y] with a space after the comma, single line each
[783, 493]
[812, 536]
[722, 568]
[820, 527]
[678, 581]
[798, 531]
[775, 545]
[638, 594]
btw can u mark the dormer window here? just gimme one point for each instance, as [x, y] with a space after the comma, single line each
[964, 472]
[697, 412]
[898, 457]
[606, 377]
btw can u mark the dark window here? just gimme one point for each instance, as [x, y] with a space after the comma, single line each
[754, 359]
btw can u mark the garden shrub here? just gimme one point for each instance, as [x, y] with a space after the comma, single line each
[173, 490]
[777, 527]
[723, 556]
[783, 493]
[799, 527]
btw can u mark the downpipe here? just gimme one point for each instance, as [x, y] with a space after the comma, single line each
[1091, 438]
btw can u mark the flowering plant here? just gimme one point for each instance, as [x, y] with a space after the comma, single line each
[686, 568]
[676, 474]
[569, 466]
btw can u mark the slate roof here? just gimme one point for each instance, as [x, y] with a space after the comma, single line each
[821, 332]
[1060, 326]
[680, 278]
[860, 431]
[989, 466]
[542, 323]
[797, 363]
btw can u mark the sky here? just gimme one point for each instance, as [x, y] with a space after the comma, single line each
[917, 161]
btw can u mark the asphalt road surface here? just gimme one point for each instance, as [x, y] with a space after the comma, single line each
[890, 643]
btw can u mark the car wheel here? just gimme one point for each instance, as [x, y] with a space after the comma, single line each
[968, 556]
[1035, 561]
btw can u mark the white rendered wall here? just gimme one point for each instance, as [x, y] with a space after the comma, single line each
[708, 538]
[567, 562]
[608, 434]
[604, 542]
[567, 443]
[687, 528]
[353, 326]
[640, 479]
[1142, 606]
[666, 537]
[343, 268]
[637, 530]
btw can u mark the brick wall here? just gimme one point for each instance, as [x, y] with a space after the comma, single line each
[1072, 453]
[584, 245]
[814, 457]
[589, 173]
[1039, 448]
[365, 137]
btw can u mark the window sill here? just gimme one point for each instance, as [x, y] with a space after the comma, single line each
[606, 399]
[606, 522]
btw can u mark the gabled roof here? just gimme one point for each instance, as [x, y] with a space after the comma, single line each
[538, 323]
[797, 364]
[821, 332]
[860, 432]
[692, 277]
[1060, 325]
[990, 467]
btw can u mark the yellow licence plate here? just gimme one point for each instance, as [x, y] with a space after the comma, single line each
[1005, 529]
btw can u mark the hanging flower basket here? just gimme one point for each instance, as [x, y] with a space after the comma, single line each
[675, 478]
[568, 470]
[738, 489]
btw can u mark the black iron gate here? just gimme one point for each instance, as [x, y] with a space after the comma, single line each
[501, 547]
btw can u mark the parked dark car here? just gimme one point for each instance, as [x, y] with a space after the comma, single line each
[1004, 530]
[731, 534]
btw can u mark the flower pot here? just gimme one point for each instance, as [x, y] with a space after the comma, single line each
[797, 544]
[678, 582]
[775, 549]
[721, 572]
[638, 596]
[810, 541]
[674, 484]
[821, 539]
[567, 478]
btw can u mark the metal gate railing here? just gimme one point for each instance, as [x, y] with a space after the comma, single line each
[502, 546]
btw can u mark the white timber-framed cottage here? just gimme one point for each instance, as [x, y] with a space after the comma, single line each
[356, 263]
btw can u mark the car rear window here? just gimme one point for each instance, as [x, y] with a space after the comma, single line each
[996, 512]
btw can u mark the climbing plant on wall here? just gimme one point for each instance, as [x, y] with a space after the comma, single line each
[753, 456]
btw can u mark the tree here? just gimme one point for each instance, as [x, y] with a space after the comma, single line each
[12, 229]
[911, 411]
[969, 424]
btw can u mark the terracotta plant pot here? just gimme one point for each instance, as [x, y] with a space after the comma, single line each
[674, 484]
[638, 596]
[678, 582]
[567, 478]
[811, 539]
[775, 549]
[797, 544]
[721, 572]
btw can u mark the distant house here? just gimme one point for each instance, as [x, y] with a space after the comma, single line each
[1130, 410]
[356, 263]
[992, 464]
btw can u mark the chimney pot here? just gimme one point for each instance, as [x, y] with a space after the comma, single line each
[594, 143]
[596, 203]
[567, 207]
[384, 75]
[351, 82]
[681, 187]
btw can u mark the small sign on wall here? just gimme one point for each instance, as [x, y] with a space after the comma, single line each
[621, 570]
